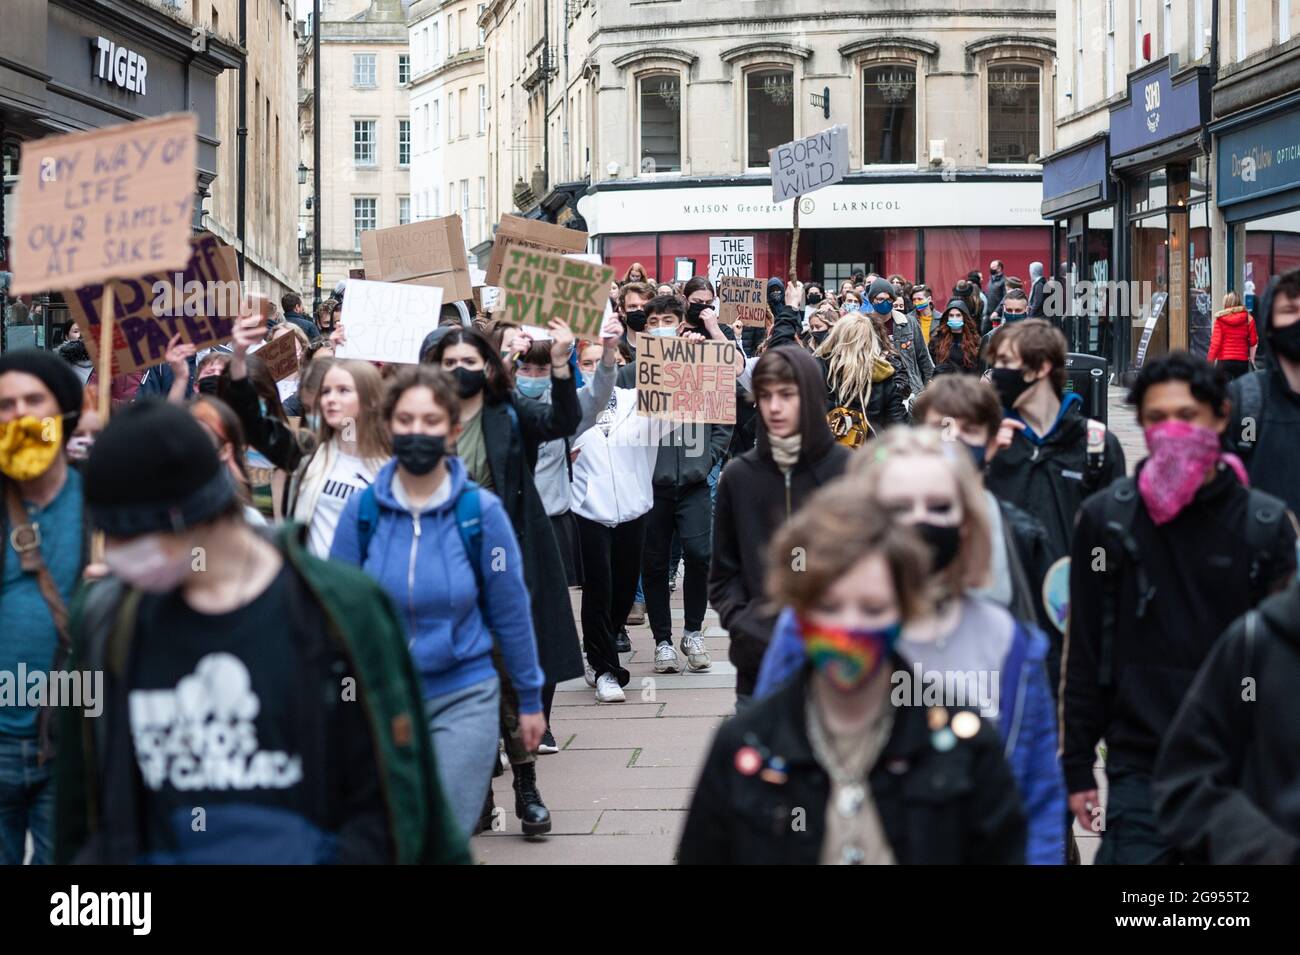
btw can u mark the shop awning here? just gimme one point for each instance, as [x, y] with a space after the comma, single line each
[1077, 177]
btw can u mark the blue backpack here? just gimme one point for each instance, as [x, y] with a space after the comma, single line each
[468, 522]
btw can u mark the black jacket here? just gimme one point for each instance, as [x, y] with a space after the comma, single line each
[1030, 557]
[885, 405]
[1037, 296]
[937, 808]
[1198, 571]
[686, 456]
[997, 289]
[306, 324]
[1051, 479]
[512, 457]
[1227, 781]
[754, 500]
[267, 434]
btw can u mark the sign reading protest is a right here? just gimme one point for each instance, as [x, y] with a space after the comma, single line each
[109, 203]
[681, 380]
[388, 321]
[743, 300]
[539, 286]
[517, 232]
[809, 164]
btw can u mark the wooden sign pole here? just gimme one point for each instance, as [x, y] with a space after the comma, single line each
[794, 244]
[105, 353]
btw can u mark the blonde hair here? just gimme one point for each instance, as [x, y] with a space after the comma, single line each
[851, 351]
[1231, 300]
[970, 568]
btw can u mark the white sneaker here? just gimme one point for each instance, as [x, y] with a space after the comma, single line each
[666, 659]
[608, 690]
[697, 655]
[588, 673]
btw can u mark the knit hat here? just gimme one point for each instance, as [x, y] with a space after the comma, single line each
[154, 469]
[56, 374]
[878, 286]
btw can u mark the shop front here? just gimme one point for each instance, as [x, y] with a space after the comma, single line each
[1159, 149]
[101, 63]
[926, 229]
[1257, 188]
[1079, 199]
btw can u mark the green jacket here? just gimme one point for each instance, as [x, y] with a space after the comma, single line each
[96, 814]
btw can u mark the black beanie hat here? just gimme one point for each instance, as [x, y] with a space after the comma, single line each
[56, 374]
[154, 469]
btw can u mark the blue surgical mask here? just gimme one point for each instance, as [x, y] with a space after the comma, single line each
[883, 308]
[956, 324]
[532, 387]
[313, 421]
[664, 332]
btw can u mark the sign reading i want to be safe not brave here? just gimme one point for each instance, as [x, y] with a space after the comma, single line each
[111, 203]
[681, 380]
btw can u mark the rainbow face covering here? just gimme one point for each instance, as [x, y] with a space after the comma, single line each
[847, 658]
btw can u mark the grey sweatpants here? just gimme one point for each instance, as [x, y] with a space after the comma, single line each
[464, 726]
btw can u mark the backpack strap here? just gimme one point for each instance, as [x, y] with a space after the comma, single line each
[1251, 408]
[1119, 512]
[367, 520]
[1263, 514]
[469, 521]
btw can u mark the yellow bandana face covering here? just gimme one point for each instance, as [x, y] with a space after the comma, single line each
[29, 445]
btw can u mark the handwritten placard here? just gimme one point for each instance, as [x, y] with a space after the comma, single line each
[280, 355]
[430, 252]
[742, 300]
[730, 255]
[680, 380]
[110, 203]
[387, 321]
[200, 304]
[809, 164]
[516, 232]
[538, 286]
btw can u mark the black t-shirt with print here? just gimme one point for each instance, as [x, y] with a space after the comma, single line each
[215, 705]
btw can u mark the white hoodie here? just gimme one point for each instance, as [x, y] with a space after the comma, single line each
[614, 469]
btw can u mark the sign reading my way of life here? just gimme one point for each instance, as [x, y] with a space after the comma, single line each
[200, 304]
[387, 321]
[680, 380]
[539, 286]
[110, 203]
[809, 164]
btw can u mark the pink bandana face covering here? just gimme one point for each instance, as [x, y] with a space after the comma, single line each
[1181, 456]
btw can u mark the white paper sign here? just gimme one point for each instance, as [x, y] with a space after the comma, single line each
[809, 164]
[387, 321]
[730, 255]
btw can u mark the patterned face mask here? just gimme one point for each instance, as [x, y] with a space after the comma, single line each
[29, 445]
[848, 658]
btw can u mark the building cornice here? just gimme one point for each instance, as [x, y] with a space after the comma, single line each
[858, 47]
[984, 44]
[765, 46]
[636, 56]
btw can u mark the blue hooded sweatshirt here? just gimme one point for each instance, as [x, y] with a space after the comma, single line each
[423, 566]
[1028, 730]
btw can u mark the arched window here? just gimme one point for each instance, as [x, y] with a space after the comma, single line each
[769, 113]
[660, 103]
[888, 114]
[1014, 112]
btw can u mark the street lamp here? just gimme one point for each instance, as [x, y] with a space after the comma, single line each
[302, 174]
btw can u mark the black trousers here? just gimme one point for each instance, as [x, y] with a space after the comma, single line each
[611, 563]
[1234, 369]
[687, 511]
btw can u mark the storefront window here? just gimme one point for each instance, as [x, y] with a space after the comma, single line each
[769, 112]
[1148, 193]
[1149, 240]
[661, 123]
[1200, 307]
[952, 253]
[620, 251]
[889, 115]
[1014, 114]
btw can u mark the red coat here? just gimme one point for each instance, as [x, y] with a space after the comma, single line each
[1234, 335]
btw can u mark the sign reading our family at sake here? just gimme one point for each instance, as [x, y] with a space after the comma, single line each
[111, 203]
[681, 380]
[539, 286]
[388, 321]
[809, 164]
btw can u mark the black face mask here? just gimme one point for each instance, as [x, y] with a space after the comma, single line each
[944, 542]
[978, 454]
[1010, 385]
[693, 312]
[469, 383]
[819, 337]
[1286, 340]
[635, 319]
[815, 298]
[419, 453]
[209, 385]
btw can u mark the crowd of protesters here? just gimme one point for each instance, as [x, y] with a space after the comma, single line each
[330, 608]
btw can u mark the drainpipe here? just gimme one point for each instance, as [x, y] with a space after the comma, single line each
[242, 136]
[315, 150]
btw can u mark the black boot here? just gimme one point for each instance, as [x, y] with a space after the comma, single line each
[530, 809]
[485, 817]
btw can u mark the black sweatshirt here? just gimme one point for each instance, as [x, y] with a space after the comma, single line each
[1199, 566]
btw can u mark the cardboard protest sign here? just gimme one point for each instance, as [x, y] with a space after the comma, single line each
[742, 299]
[530, 234]
[356, 273]
[809, 164]
[431, 252]
[110, 203]
[680, 380]
[280, 355]
[201, 304]
[730, 255]
[538, 285]
[388, 321]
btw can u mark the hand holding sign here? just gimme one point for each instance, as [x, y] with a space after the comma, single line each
[561, 341]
